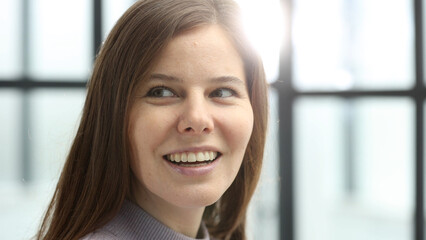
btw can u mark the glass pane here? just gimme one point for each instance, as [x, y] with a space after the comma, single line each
[346, 44]
[54, 119]
[263, 214]
[264, 26]
[54, 116]
[10, 38]
[424, 166]
[61, 39]
[424, 44]
[10, 137]
[354, 169]
[16, 209]
[113, 10]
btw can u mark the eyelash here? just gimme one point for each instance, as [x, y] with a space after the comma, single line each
[233, 92]
[151, 94]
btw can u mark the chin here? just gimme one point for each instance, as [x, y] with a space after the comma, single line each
[197, 199]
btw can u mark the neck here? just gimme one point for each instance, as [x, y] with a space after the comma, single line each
[181, 219]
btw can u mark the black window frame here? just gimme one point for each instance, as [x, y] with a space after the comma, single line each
[288, 94]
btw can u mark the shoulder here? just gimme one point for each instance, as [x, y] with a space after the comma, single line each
[100, 235]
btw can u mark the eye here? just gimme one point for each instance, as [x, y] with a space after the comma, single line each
[160, 92]
[223, 93]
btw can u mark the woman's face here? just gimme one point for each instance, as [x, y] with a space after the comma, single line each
[191, 121]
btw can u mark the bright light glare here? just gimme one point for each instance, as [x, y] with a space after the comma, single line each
[344, 45]
[112, 12]
[319, 45]
[264, 25]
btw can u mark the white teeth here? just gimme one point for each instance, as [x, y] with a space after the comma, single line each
[192, 156]
[184, 157]
[177, 157]
[200, 155]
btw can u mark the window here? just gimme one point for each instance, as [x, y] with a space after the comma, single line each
[351, 98]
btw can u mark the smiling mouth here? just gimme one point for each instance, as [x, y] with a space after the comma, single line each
[192, 159]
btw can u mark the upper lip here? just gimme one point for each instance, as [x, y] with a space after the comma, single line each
[194, 149]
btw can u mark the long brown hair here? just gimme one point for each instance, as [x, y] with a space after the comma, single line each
[96, 177]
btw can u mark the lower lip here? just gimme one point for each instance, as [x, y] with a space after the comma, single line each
[194, 171]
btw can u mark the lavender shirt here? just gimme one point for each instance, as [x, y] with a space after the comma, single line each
[133, 223]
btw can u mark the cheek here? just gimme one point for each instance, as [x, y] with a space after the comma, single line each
[149, 128]
[238, 127]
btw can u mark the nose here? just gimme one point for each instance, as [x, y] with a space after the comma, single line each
[195, 117]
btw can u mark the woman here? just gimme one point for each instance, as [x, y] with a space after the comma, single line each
[171, 140]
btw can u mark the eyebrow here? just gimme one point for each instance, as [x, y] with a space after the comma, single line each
[221, 79]
[164, 77]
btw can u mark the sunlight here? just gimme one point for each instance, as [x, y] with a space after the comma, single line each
[264, 23]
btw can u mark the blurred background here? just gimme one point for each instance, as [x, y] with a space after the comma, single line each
[344, 158]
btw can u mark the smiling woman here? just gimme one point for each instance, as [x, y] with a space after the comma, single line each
[171, 140]
[186, 119]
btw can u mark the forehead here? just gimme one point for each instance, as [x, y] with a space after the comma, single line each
[207, 49]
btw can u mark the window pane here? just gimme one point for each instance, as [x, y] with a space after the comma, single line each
[17, 210]
[424, 40]
[54, 116]
[113, 10]
[264, 25]
[10, 136]
[346, 44]
[354, 169]
[54, 119]
[424, 166]
[10, 38]
[263, 214]
[61, 39]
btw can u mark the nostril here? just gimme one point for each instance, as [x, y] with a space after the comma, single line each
[190, 126]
